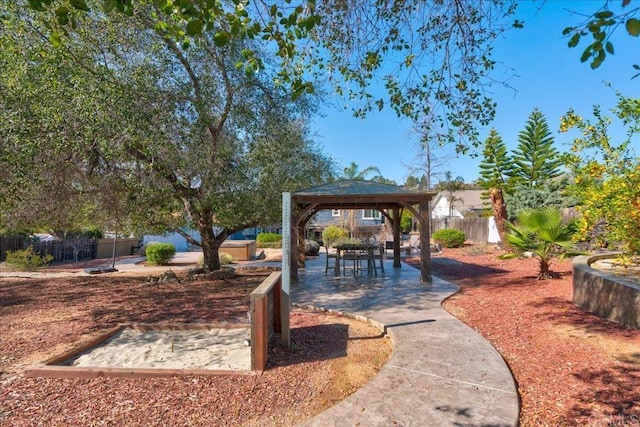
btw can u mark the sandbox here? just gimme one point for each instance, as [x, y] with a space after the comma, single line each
[138, 350]
[167, 350]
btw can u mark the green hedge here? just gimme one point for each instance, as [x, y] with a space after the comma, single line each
[160, 253]
[269, 238]
[450, 237]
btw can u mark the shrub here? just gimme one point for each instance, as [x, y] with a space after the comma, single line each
[225, 258]
[450, 237]
[27, 260]
[269, 238]
[160, 253]
[332, 234]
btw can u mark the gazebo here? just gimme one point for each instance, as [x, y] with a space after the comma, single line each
[389, 200]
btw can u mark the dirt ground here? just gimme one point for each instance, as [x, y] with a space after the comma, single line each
[571, 367]
[330, 356]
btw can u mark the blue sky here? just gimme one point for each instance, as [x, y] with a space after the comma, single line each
[549, 75]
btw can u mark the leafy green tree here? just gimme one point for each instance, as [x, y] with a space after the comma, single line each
[433, 57]
[607, 175]
[542, 233]
[54, 118]
[495, 168]
[184, 136]
[535, 159]
[601, 26]
[406, 221]
[414, 182]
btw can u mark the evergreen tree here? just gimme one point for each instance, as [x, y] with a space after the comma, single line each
[535, 160]
[496, 165]
[549, 194]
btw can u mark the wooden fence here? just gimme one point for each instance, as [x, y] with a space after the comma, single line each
[104, 247]
[9, 243]
[69, 250]
[476, 229]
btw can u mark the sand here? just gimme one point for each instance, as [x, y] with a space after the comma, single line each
[211, 349]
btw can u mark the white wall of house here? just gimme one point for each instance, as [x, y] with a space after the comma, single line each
[441, 209]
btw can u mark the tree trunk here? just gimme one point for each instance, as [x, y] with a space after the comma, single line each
[209, 243]
[544, 273]
[500, 215]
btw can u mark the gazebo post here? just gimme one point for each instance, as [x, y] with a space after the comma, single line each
[425, 242]
[301, 239]
[396, 237]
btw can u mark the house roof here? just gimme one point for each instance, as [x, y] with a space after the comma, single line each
[465, 200]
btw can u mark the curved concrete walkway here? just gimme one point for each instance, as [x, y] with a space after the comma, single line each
[441, 372]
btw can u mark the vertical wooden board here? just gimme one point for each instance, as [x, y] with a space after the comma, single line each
[277, 306]
[396, 238]
[259, 334]
[425, 243]
[284, 319]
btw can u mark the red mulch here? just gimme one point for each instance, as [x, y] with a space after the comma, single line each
[571, 367]
[40, 318]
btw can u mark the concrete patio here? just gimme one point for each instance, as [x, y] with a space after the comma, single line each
[441, 373]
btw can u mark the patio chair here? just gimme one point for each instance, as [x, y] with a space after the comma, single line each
[331, 256]
[351, 255]
[412, 243]
[382, 252]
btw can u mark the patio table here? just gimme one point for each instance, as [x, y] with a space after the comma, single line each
[355, 251]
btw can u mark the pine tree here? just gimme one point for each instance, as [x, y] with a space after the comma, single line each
[535, 159]
[495, 168]
[496, 165]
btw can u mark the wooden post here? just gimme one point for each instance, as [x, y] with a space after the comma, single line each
[259, 332]
[277, 306]
[396, 238]
[300, 242]
[425, 243]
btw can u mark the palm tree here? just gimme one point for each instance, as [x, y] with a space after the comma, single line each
[352, 172]
[542, 233]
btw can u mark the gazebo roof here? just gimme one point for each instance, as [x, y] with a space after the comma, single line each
[358, 194]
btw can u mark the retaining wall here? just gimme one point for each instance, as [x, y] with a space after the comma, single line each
[606, 295]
